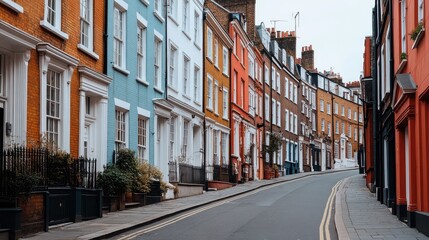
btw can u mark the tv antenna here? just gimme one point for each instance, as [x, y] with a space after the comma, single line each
[296, 16]
[276, 21]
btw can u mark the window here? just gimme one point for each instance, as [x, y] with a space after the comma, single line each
[278, 83]
[1, 75]
[278, 114]
[209, 44]
[185, 18]
[421, 10]
[313, 121]
[52, 18]
[313, 100]
[242, 54]
[323, 125]
[235, 83]
[291, 124]
[186, 66]
[119, 33]
[185, 139]
[295, 130]
[251, 102]
[234, 38]
[336, 108]
[86, 29]
[120, 140]
[225, 64]
[157, 61]
[349, 150]
[216, 147]
[216, 53]
[267, 76]
[215, 97]
[287, 120]
[356, 132]
[329, 129]
[224, 146]
[350, 131]
[355, 116]
[328, 109]
[225, 104]
[286, 88]
[141, 51]
[242, 92]
[337, 127]
[251, 68]
[172, 136]
[53, 107]
[158, 9]
[349, 113]
[273, 78]
[403, 26]
[196, 27]
[196, 84]
[12, 5]
[209, 92]
[273, 111]
[172, 9]
[322, 107]
[342, 110]
[267, 107]
[172, 66]
[291, 90]
[360, 117]
[142, 139]
[343, 126]
[295, 94]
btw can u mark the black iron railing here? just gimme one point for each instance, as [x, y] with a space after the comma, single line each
[191, 174]
[49, 169]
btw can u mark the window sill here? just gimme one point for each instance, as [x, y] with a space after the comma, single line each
[225, 74]
[145, 2]
[139, 80]
[209, 109]
[418, 38]
[44, 24]
[172, 88]
[197, 103]
[121, 70]
[158, 15]
[13, 5]
[401, 65]
[197, 46]
[173, 19]
[186, 34]
[159, 90]
[87, 51]
[186, 97]
[225, 118]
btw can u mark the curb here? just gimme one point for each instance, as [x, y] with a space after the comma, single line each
[114, 232]
[338, 219]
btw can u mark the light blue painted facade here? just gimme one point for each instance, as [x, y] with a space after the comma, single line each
[126, 92]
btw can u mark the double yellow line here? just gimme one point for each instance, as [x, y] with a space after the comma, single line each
[324, 224]
[202, 209]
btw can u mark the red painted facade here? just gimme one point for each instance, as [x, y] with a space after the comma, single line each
[411, 107]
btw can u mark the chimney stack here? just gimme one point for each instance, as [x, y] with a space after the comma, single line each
[287, 41]
[307, 55]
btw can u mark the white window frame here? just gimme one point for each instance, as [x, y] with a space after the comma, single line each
[209, 92]
[225, 63]
[158, 61]
[322, 105]
[119, 35]
[143, 138]
[121, 128]
[172, 138]
[216, 53]
[185, 18]
[278, 114]
[286, 88]
[196, 28]
[336, 108]
[287, 120]
[209, 44]
[196, 84]
[141, 48]
[157, 9]
[329, 129]
[186, 74]
[172, 65]
[323, 124]
[216, 97]
[13, 5]
[267, 108]
[53, 23]
[225, 104]
[172, 9]
[403, 26]
[421, 4]
[88, 45]
[328, 108]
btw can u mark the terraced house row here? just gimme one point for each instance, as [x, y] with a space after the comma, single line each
[194, 87]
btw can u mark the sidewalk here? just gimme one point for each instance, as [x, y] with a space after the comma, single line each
[358, 215]
[117, 222]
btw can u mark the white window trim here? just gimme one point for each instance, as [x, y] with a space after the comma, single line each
[225, 64]
[53, 58]
[158, 12]
[54, 29]
[122, 7]
[90, 49]
[209, 44]
[225, 113]
[142, 24]
[147, 148]
[210, 92]
[13, 5]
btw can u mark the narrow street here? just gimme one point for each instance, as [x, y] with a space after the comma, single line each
[293, 210]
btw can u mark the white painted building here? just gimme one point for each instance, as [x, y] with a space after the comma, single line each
[184, 84]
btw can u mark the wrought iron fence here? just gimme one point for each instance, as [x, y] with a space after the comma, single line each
[47, 168]
[191, 174]
[172, 171]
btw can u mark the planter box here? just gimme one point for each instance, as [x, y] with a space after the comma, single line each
[219, 185]
[114, 203]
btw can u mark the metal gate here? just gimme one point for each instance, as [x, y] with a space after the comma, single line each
[60, 206]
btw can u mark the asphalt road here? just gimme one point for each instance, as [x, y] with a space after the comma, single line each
[291, 210]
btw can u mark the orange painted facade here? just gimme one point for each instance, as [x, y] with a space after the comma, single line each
[411, 108]
[29, 21]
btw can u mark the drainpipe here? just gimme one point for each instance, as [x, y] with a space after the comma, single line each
[374, 96]
[166, 52]
[105, 38]
[204, 102]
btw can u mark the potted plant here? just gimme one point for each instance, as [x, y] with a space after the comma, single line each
[114, 184]
[275, 141]
[415, 33]
[276, 171]
[403, 56]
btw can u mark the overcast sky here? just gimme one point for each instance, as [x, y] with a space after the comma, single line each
[335, 28]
